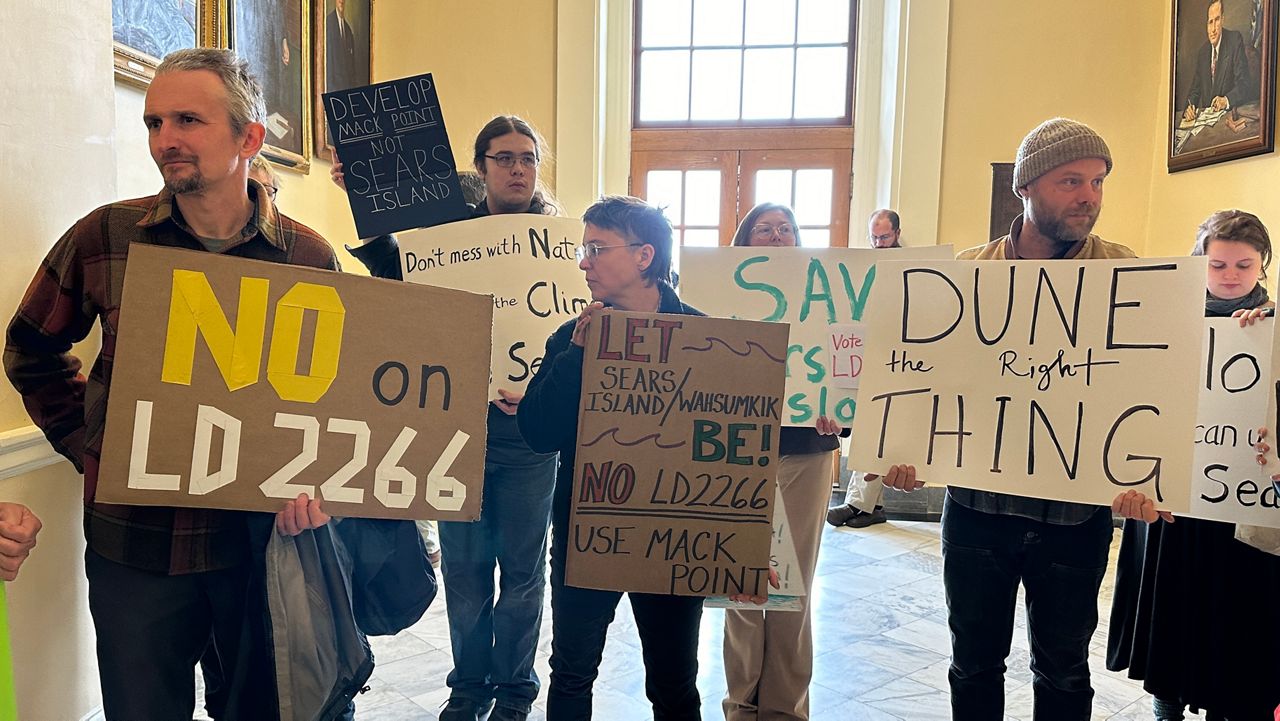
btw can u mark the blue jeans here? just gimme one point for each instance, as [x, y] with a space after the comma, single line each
[985, 557]
[494, 643]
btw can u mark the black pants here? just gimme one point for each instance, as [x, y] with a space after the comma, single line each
[580, 619]
[985, 557]
[153, 628]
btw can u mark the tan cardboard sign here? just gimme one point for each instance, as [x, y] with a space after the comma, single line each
[677, 454]
[239, 384]
[525, 261]
[1066, 380]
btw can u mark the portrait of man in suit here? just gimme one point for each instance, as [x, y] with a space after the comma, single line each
[269, 34]
[345, 54]
[1222, 80]
[1223, 69]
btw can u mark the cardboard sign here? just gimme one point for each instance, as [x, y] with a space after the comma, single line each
[809, 288]
[399, 168]
[526, 262]
[677, 454]
[788, 596]
[1066, 380]
[1227, 482]
[239, 384]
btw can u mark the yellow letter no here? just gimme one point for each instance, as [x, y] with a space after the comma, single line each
[286, 335]
[193, 307]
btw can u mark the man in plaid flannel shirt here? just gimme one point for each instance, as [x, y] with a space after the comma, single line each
[162, 581]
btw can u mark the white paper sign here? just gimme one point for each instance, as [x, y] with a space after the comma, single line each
[1066, 380]
[810, 288]
[1227, 483]
[525, 261]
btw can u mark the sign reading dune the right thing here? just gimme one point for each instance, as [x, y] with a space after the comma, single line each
[1066, 380]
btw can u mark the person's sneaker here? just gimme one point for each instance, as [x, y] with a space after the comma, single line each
[837, 515]
[506, 713]
[464, 709]
[862, 519]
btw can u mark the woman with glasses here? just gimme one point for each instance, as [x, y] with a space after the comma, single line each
[494, 641]
[626, 256]
[768, 655]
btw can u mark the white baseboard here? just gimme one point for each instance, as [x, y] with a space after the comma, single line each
[23, 450]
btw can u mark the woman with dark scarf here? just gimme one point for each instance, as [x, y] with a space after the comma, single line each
[1188, 617]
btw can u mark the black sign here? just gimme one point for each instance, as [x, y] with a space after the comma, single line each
[396, 157]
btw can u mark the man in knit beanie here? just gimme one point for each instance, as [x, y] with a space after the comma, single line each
[992, 542]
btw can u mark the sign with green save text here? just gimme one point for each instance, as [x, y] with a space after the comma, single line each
[821, 292]
[677, 454]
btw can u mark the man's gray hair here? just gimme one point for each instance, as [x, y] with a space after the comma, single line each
[245, 103]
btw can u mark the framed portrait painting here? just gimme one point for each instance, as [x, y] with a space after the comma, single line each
[1222, 81]
[275, 37]
[144, 31]
[343, 57]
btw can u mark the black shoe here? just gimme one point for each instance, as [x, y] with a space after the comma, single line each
[837, 515]
[506, 713]
[862, 519]
[465, 709]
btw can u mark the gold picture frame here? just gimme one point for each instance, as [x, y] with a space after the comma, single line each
[137, 48]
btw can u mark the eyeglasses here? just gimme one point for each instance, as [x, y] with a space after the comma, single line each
[764, 230]
[271, 191]
[591, 251]
[507, 160]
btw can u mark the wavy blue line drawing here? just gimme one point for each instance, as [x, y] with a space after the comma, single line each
[712, 340]
[651, 437]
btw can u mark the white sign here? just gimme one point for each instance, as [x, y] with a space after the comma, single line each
[525, 261]
[810, 288]
[1066, 380]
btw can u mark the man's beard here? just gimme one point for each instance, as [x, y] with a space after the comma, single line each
[187, 184]
[1055, 227]
[190, 183]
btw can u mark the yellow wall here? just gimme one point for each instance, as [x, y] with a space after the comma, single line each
[487, 59]
[1180, 201]
[56, 158]
[1013, 64]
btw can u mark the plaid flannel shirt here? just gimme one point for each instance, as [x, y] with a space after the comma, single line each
[80, 284]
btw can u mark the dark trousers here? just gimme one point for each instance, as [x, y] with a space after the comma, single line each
[494, 642]
[985, 557]
[152, 628]
[580, 619]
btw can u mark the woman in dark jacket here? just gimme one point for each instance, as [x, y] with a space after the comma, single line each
[626, 255]
[1188, 617]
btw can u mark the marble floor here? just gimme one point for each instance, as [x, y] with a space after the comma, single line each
[881, 646]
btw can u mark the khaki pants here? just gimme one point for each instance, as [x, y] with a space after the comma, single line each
[768, 655]
[864, 495]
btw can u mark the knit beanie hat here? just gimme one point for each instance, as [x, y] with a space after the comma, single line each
[1056, 142]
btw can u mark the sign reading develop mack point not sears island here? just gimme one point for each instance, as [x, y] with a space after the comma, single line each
[526, 262]
[239, 384]
[1067, 380]
[398, 166]
[821, 293]
[677, 454]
